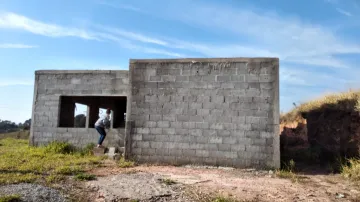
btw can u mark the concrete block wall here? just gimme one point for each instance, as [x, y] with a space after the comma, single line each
[50, 85]
[221, 111]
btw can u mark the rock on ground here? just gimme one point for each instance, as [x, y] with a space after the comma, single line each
[32, 192]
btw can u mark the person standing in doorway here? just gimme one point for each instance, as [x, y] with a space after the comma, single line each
[100, 125]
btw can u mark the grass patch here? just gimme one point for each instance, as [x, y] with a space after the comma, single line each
[223, 199]
[125, 164]
[69, 170]
[85, 177]
[288, 172]
[168, 181]
[349, 100]
[10, 198]
[197, 195]
[20, 162]
[55, 178]
[352, 170]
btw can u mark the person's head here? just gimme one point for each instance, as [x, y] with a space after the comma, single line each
[108, 111]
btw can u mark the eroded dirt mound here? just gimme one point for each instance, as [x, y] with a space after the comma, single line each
[335, 133]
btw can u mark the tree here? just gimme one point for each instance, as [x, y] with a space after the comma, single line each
[80, 121]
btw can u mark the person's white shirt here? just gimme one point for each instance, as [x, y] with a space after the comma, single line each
[103, 121]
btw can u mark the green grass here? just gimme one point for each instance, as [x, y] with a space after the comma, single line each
[85, 177]
[22, 163]
[349, 100]
[122, 163]
[352, 170]
[10, 198]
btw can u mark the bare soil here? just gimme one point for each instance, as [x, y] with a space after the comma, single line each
[148, 183]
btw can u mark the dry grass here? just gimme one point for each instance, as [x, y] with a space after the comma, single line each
[349, 100]
[17, 135]
[352, 171]
[122, 163]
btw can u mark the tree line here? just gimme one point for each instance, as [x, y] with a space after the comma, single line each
[9, 126]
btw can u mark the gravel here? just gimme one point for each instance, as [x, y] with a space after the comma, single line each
[32, 193]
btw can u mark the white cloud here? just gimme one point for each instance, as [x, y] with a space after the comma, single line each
[132, 35]
[13, 82]
[14, 21]
[286, 36]
[11, 45]
[344, 12]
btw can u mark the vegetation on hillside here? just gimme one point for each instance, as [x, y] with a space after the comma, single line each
[347, 101]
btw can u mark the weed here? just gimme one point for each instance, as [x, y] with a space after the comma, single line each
[10, 198]
[168, 181]
[68, 170]
[125, 164]
[87, 150]
[54, 178]
[85, 177]
[288, 171]
[352, 170]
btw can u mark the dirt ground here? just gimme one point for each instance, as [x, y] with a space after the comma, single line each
[190, 183]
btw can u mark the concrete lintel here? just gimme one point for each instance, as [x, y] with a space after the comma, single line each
[216, 60]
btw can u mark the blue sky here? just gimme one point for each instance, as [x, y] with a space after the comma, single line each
[316, 40]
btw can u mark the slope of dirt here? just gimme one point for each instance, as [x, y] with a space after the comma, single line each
[250, 185]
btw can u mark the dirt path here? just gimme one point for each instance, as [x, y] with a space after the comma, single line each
[145, 183]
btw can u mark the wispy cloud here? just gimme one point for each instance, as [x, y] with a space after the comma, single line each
[13, 82]
[12, 45]
[131, 35]
[117, 5]
[121, 37]
[344, 12]
[14, 21]
[286, 36]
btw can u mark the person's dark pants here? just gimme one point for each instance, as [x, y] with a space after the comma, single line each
[102, 134]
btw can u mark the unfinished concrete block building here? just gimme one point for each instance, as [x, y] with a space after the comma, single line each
[218, 111]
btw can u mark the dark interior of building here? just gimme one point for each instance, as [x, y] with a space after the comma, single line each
[116, 103]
